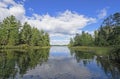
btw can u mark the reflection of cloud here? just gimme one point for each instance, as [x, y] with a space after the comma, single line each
[60, 69]
[63, 66]
[59, 52]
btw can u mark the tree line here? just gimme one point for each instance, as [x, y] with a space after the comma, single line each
[13, 33]
[107, 35]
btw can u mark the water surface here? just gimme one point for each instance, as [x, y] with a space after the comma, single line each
[58, 62]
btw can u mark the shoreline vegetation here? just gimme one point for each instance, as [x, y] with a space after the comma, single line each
[108, 35]
[92, 49]
[14, 35]
[23, 47]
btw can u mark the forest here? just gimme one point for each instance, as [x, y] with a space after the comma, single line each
[107, 35]
[13, 33]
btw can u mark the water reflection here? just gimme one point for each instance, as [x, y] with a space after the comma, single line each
[83, 56]
[60, 65]
[14, 64]
[111, 68]
[101, 63]
[57, 63]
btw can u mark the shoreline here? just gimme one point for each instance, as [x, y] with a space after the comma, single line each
[23, 47]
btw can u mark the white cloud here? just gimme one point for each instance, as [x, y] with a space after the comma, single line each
[60, 39]
[66, 23]
[59, 42]
[3, 5]
[17, 11]
[9, 7]
[102, 13]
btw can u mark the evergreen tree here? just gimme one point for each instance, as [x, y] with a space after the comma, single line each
[34, 37]
[47, 41]
[71, 42]
[25, 34]
[109, 32]
[10, 31]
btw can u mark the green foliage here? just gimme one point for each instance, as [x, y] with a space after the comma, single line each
[107, 35]
[35, 35]
[12, 33]
[115, 53]
[71, 42]
[9, 31]
[26, 34]
[109, 32]
[85, 39]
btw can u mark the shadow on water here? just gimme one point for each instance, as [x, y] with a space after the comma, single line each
[15, 63]
[103, 60]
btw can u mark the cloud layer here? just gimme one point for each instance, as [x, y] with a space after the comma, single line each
[63, 25]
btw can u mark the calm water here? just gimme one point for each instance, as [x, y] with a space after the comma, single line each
[58, 62]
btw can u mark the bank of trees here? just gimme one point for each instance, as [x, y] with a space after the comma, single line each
[107, 35]
[12, 33]
[84, 39]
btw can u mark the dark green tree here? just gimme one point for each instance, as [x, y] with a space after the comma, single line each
[35, 37]
[84, 39]
[13, 33]
[109, 32]
[25, 34]
[10, 31]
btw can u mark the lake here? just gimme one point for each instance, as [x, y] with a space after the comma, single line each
[58, 62]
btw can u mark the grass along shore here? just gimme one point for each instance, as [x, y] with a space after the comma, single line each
[23, 47]
[98, 50]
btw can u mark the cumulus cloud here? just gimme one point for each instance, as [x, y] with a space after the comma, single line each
[102, 13]
[17, 11]
[9, 7]
[63, 25]
[66, 23]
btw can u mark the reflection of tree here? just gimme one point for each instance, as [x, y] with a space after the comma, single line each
[7, 64]
[111, 68]
[84, 56]
[103, 59]
[18, 62]
[115, 54]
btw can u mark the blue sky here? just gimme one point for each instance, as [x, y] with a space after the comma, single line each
[60, 18]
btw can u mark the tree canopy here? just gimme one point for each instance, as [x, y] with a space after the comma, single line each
[107, 35]
[12, 33]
